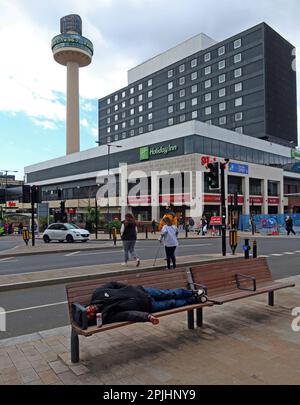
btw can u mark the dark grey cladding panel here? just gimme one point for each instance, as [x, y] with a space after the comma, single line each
[100, 163]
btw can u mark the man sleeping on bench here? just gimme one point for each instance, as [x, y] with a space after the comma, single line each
[120, 302]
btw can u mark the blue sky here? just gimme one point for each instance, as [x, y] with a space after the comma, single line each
[124, 33]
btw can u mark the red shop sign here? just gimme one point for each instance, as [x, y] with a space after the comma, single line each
[274, 200]
[209, 198]
[215, 221]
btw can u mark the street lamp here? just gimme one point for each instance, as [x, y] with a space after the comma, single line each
[109, 145]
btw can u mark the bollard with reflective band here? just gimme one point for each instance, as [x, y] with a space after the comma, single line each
[233, 240]
[254, 249]
[246, 248]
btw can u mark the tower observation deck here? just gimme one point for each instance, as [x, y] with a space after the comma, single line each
[73, 50]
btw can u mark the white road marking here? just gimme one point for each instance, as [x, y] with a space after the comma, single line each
[289, 253]
[31, 308]
[277, 254]
[264, 256]
[72, 254]
[6, 258]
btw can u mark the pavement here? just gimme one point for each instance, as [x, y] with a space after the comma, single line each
[244, 342]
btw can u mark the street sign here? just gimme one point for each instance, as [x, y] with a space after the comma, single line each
[42, 210]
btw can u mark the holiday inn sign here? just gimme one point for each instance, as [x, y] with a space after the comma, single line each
[147, 151]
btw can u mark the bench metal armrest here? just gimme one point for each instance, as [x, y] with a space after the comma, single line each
[201, 286]
[238, 282]
[79, 315]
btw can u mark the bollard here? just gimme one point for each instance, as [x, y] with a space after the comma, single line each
[186, 232]
[233, 240]
[109, 233]
[254, 249]
[114, 233]
[146, 232]
[246, 248]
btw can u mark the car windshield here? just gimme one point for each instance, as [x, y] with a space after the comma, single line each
[71, 226]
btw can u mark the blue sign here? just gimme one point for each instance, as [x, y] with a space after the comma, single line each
[237, 168]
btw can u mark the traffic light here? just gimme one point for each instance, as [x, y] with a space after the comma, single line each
[62, 206]
[26, 198]
[213, 176]
[2, 195]
[36, 194]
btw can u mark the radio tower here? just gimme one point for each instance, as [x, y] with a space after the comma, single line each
[73, 50]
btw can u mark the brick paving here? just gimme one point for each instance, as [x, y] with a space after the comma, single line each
[244, 342]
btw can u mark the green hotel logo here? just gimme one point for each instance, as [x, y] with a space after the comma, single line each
[295, 154]
[146, 151]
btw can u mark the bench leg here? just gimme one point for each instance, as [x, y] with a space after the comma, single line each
[271, 298]
[190, 319]
[199, 317]
[74, 347]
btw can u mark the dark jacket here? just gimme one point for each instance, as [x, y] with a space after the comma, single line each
[122, 302]
[129, 232]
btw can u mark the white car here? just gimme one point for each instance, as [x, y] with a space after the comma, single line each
[68, 232]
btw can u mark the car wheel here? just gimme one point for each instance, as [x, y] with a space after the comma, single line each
[46, 238]
[70, 239]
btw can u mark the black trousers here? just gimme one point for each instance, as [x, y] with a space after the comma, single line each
[170, 253]
[289, 230]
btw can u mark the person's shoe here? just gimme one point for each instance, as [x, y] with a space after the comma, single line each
[138, 262]
[153, 320]
[199, 293]
[124, 264]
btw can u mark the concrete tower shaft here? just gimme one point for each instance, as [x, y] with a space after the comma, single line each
[73, 50]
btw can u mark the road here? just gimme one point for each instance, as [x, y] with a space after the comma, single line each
[35, 309]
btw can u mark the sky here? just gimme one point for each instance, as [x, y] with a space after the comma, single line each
[124, 33]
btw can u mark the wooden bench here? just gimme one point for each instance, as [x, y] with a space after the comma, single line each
[81, 292]
[234, 279]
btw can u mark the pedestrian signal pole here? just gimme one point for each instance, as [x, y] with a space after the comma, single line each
[223, 205]
[32, 216]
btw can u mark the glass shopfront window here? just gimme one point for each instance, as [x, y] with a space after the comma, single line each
[255, 186]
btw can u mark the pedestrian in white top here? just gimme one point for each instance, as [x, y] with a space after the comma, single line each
[168, 236]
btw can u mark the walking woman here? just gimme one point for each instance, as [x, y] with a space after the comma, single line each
[169, 235]
[129, 236]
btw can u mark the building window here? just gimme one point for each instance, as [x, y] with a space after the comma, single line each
[238, 87]
[209, 122]
[181, 81]
[181, 68]
[170, 73]
[194, 88]
[221, 51]
[238, 102]
[116, 137]
[108, 139]
[240, 130]
[170, 97]
[132, 122]
[150, 82]
[238, 72]
[222, 92]
[170, 85]
[238, 116]
[116, 117]
[123, 135]
[222, 78]
[237, 43]
[108, 111]
[182, 106]
[194, 114]
[116, 107]
[237, 58]
[150, 94]
[182, 118]
[132, 111]
[132, 132]
[150, 116]
[141, 130]
[207, 97]
[207, 70]
[222, 120]
[108, 101]
[108, 130]
[207, 83]
[170, 121]
[170, 109]
[140, 119]
[131, 90]
[194, 76]
[150, 127]
[182, 93]
[207, 57]
[116, 127]
[140, 97]
[123, 114]
[131, 101]
[116, 97]
[207, 111]
[108, 120]
[123, 96]
[194, 101]
[140, 87]
[222, 106]
[123, 124]
[150, 104]
[123, 104]
[221, 64]
[193, 63]
[140, 108]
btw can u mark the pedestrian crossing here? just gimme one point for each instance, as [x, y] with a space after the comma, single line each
[281, 254]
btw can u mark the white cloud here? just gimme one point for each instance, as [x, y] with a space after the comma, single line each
[94, 132]
[44, 123]
[84, 122]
